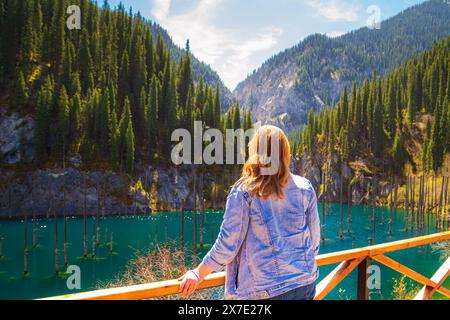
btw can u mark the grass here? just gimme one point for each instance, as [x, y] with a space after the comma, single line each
[163, 262]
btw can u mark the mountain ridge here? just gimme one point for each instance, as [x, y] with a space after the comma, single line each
[314, 72]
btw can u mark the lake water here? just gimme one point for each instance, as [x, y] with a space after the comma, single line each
[131, 233]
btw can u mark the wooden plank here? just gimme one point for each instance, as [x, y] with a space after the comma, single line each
[439, 277]
[141, 291]
[410, 273]
[335, 277]
[362, 292]
[408, 243]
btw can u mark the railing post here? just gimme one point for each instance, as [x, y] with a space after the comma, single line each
[363, 291]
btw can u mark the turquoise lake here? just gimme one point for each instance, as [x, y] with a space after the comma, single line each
[131, 233]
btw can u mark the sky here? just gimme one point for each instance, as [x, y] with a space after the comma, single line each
[236, 36]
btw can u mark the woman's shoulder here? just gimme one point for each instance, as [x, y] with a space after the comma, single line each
[299, 182]
[240, 190]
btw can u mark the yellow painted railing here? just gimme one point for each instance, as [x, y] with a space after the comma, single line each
[348, 260]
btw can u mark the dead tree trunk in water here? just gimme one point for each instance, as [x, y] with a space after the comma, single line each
[93, 241]
[33, 210]
[374, 205]
[341, 208]
[194, 218]
[407, 203]
[65, 229]
[182, 227]
[85, 252]
[349, 206]
[413, 204]
[202, 204]
[391, 207]
[25, 246]
[56, 242]
[446, 203]
[324, 195]
[97, 218]
[440, 206]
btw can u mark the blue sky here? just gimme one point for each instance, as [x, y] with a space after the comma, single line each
[237, 36]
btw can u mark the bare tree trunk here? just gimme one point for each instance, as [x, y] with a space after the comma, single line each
[34, 214]
[391, 207]
[97, 218]
[65, 229]
[182, 226]
[413, 204]
[324, 196]
[341, 208]
[25, 246]
[349, 206]
[407, 203]
[440, 206]
[374, 204]
[202, 204]
[56, 242]
[195, 220]
[85, 252]
[446, 203]
[93, 242]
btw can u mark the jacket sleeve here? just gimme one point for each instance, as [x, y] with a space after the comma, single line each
[232, 232]
[312, 216]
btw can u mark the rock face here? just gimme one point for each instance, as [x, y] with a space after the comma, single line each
[16, 138]
[103, 192]
[53, 190]
[361, 181]
[314, 72]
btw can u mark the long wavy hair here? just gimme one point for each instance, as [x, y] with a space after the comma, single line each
[255, 177]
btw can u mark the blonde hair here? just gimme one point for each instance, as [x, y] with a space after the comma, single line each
[253, 178]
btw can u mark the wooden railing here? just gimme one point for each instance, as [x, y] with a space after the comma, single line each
[348, 260]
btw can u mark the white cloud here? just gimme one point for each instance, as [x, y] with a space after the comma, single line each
[335, 11]
[228, 51]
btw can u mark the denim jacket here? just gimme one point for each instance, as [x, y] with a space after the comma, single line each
[268, 247]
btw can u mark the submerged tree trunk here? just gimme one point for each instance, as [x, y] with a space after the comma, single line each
[374, 205]
[391, 207]
[182, 226]
[341, 208]
[349, 206]
[194, 218]
[203, 213]
[25, 246]
[65, 229]
[56, 242]
[97, 218]
[407, 203]
[85, 249]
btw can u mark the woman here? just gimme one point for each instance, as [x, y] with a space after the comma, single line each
[270, 233]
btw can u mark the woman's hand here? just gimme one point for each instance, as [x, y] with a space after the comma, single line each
[189, 282]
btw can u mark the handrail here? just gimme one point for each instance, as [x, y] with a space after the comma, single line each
[168, 287]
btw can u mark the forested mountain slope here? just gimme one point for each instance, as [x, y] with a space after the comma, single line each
[314, 72]
[112, 91]
[394, 125]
